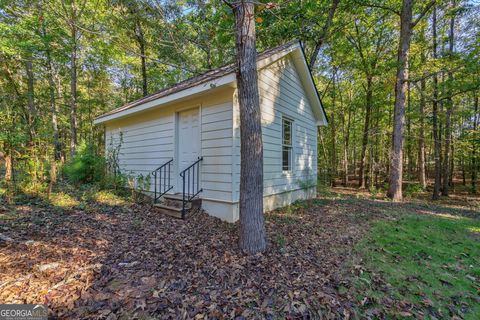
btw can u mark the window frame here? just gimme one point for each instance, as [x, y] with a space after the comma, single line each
[287, 146]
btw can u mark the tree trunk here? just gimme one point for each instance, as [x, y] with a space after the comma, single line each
[366, 128]
[8, 168]
[474, 147]
[396, 165]
[30, 101]
[252, 225]
[421, 138]
[436, 138]
[375, 158]
[141, 44]
[409, 136]
[53, 106]
[346, 136]
[333, 129]
[448, 117]
[31, 117]
[452, 166]
[73, 93]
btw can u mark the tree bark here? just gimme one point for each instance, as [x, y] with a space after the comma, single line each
[421, 137]
[31, 117]
[448, 116]
[409, 136]
[396, 164]
[436, 138]
[8, 168]
[252, 224]
[452, 166]
[141, 44]
[346, 136]
[53, 106]
[366, 132]
[73, 92]
[333, 129]
[474, 147]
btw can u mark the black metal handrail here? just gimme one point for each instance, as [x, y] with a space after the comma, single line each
[190, 190]
[162, 176]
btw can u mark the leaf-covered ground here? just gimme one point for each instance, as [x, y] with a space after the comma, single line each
[104, 258]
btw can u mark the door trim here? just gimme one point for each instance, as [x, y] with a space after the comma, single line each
[177, 187]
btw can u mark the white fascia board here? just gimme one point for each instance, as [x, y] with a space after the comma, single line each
[310, 88]
[277, 56]
[224, 80]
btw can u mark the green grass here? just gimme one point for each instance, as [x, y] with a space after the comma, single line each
[432, 262]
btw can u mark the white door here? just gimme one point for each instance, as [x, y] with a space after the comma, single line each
[188, 144]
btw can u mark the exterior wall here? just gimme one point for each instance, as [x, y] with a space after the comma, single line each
[282, 94]
[148, 140]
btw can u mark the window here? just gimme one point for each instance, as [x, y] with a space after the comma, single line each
[286, 145]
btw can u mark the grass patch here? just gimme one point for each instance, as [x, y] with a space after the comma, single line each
[108, 198]
[63, 200]
[431, 263]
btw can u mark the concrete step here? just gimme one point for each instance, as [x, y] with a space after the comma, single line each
[169, 210]
[171, 205]
[175, 196]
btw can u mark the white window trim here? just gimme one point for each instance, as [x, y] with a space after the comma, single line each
[288, 172]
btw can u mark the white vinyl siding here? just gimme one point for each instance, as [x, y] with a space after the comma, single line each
[282, 96]
[145, 145]
[149, 141]
[217, 151]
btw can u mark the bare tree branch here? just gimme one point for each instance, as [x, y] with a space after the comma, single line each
[423, 13]
[324, 33]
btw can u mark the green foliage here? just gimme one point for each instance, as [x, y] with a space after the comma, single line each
[87, 166]
[185, 38]
[378, 190]
[413, 189]
[139, 185]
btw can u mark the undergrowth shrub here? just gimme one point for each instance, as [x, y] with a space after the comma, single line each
[88, 166]
[412, 189]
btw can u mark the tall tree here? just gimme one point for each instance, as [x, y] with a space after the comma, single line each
[436, 134]
[449, 102]
[396, 161]
[474, 164]
[368, 39]
[73, 12]
[252, 224]
[333, 129]
[421, 164]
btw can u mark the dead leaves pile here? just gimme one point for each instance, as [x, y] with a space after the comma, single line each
[132, 262]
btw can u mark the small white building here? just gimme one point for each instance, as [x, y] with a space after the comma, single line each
[194, 125]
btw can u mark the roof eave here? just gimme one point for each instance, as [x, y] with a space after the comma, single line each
[195, 90]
